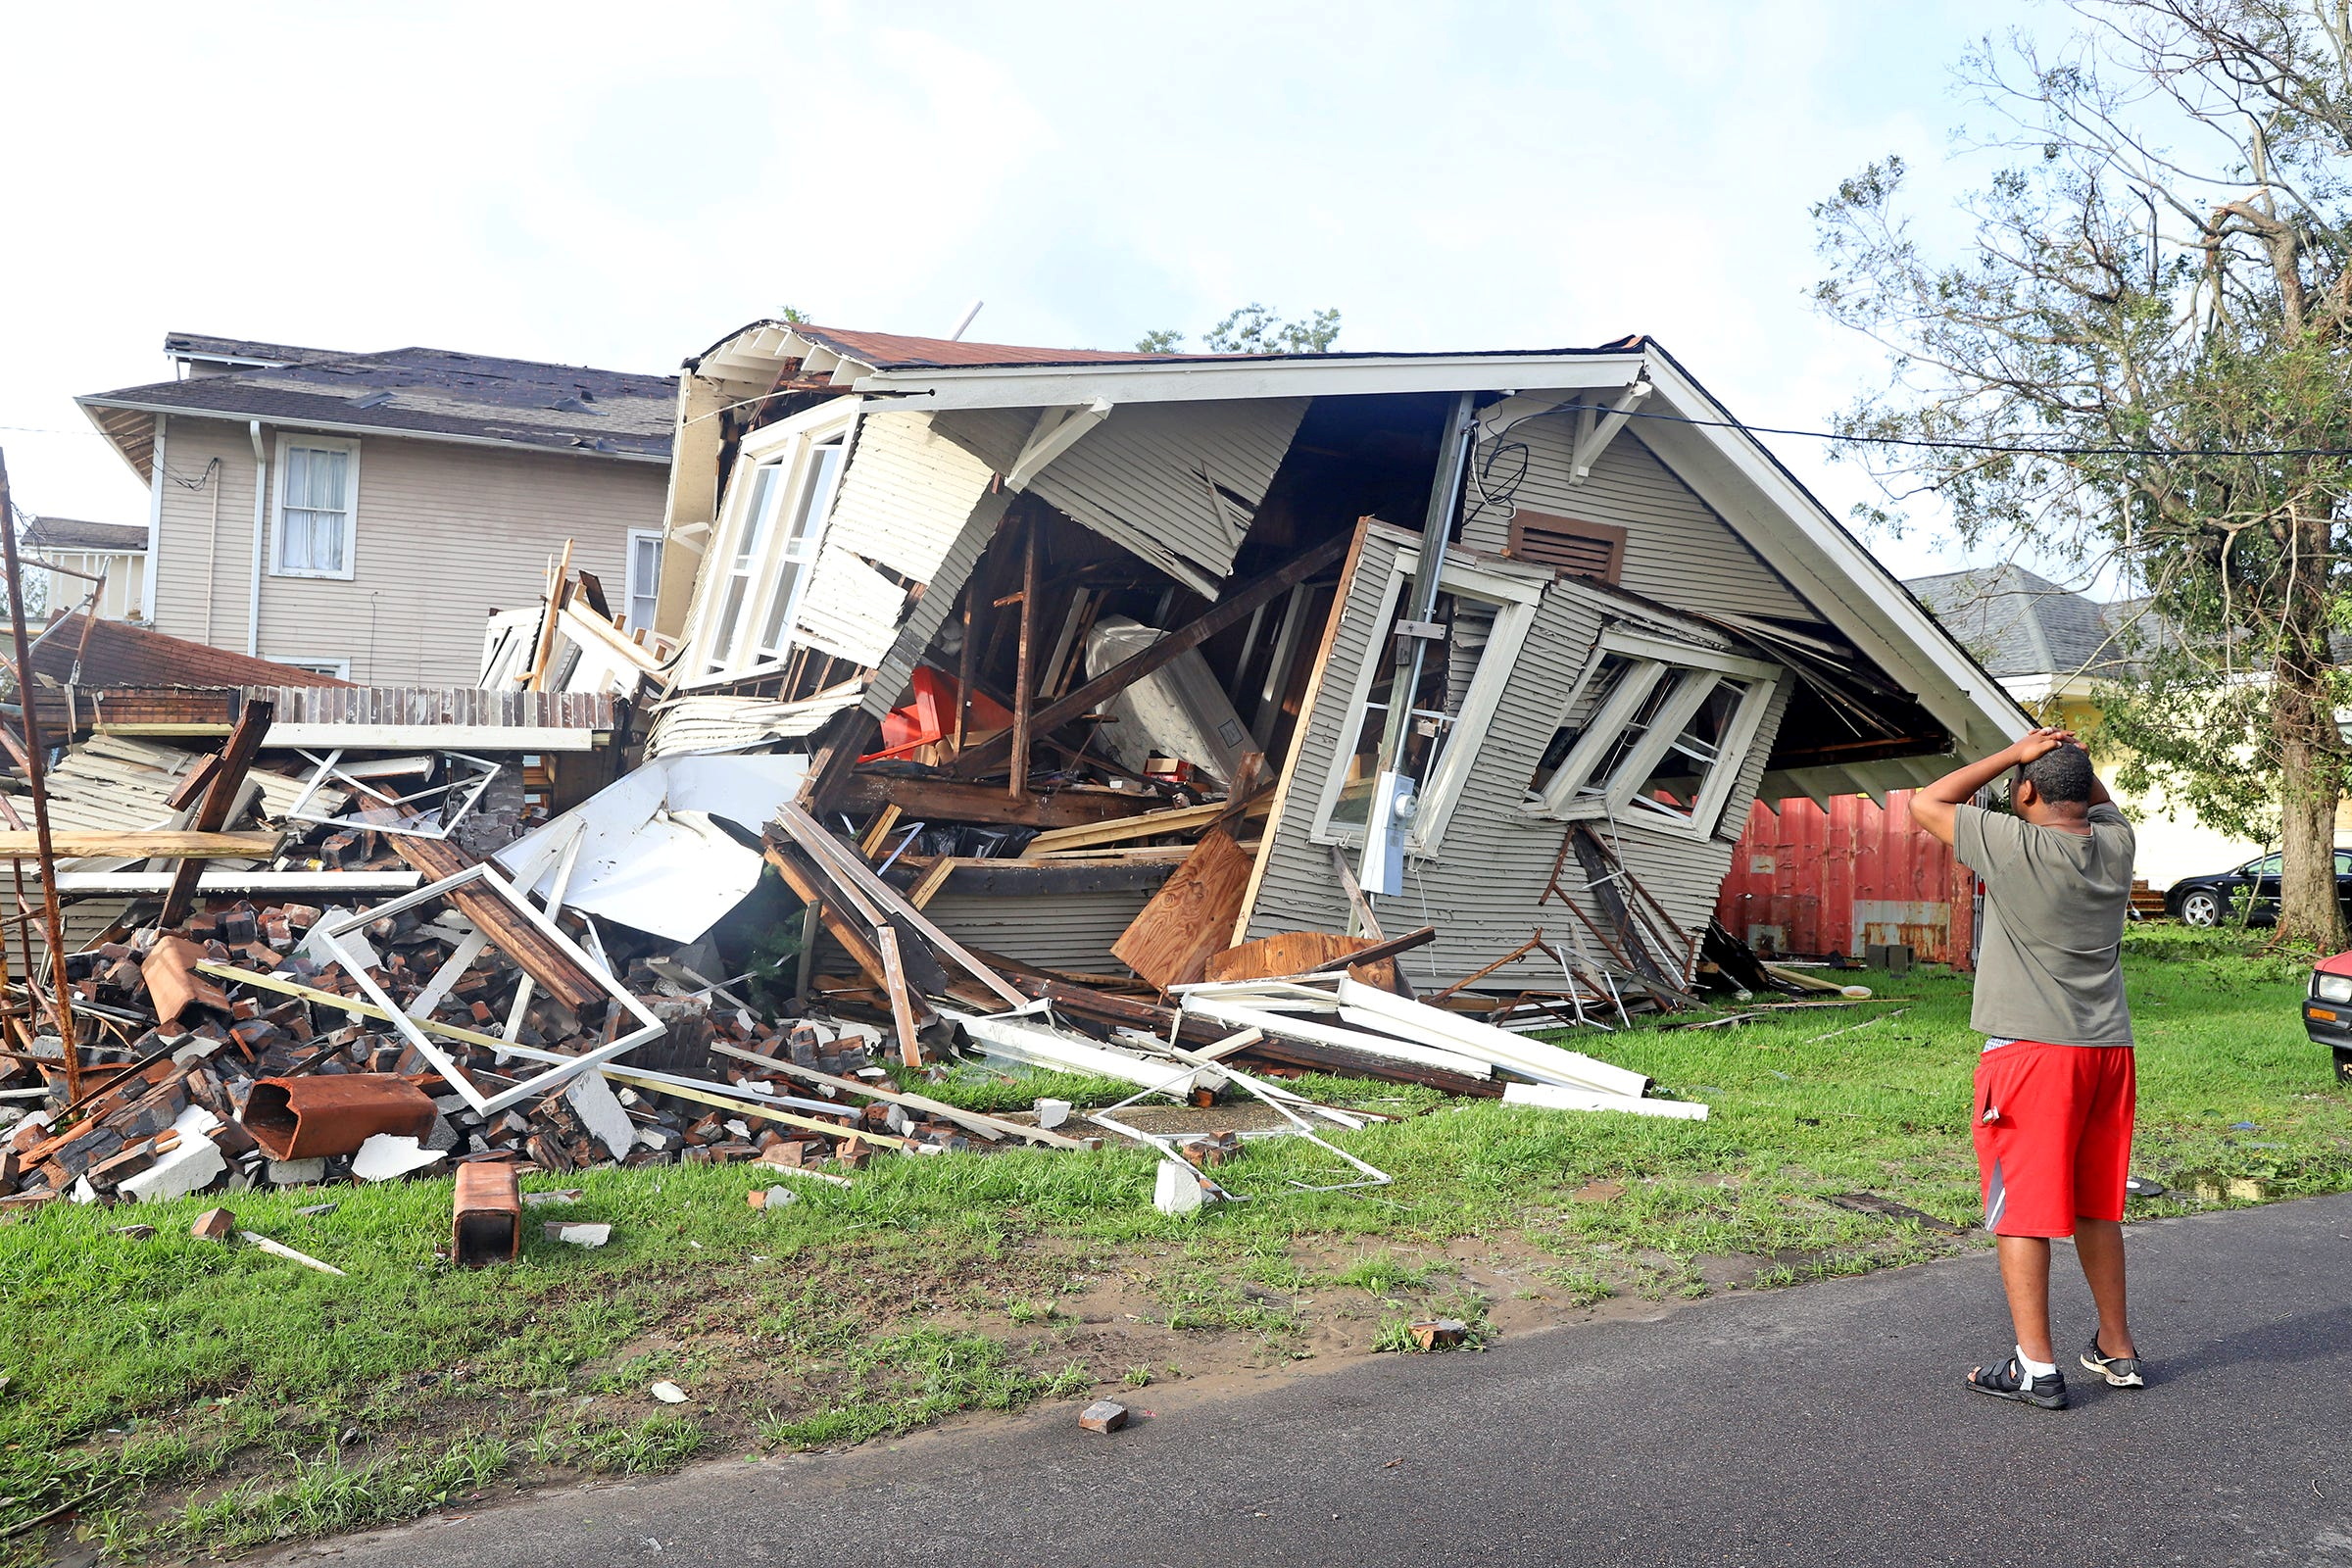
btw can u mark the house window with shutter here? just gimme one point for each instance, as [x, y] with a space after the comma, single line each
[1584, 549]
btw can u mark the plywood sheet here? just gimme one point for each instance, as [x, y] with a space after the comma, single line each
[1289, 953]
[1191, 916]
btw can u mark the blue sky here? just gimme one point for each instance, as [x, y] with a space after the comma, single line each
[622, 186]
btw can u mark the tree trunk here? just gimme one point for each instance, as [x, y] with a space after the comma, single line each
[2311, 754]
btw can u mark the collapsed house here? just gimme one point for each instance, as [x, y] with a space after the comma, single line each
[1010, 603]
[1198, 722]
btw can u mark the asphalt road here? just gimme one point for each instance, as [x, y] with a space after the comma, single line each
[1817, 1424]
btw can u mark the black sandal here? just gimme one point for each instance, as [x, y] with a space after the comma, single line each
[2119, 1371]
[2007, 1380]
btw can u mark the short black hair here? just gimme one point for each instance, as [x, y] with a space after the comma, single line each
[2060, 775]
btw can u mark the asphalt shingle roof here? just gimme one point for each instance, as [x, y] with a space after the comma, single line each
[118, 654]
[2019, 624]
[429, 392]
[73, 533]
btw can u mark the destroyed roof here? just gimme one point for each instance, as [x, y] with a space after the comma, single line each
[2020, 624]
[73, 533]
[122, 655]
[435, 394]
[242, 351]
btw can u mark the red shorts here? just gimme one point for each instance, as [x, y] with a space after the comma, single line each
[2053, 1135]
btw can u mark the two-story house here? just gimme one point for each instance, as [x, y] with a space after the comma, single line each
[359, 514]
[108, 560]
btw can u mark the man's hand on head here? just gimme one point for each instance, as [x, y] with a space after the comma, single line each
[2042, 742]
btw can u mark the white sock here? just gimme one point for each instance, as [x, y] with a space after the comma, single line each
[2032, 1368]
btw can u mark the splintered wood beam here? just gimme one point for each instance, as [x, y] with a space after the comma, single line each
[159, 844]
[1024, 682]
[219, 795]
[1230, 611]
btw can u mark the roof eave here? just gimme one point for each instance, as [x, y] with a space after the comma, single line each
[348, 428]
[1184, 380]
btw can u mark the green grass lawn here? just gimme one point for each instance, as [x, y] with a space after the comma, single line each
[191, 1397]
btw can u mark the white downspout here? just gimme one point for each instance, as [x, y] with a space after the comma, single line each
[155, 521]
[260, 513]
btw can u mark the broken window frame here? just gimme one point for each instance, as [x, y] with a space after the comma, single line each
[348, 512]
[1515, 598]
[1694, 671]
[730, 629]
[332, 935]
[457, 797]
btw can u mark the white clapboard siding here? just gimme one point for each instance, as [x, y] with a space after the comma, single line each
[1677, 550]
[849, 609]
[905, 496]
[1482, 889]
[926, 615]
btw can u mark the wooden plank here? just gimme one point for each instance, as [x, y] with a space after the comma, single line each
[950, 801]
[987, 1126]
[1024, 680]
[1228, 611]
[902, 1013]
[548, 965]
[848, 869]
[809, 886]
[220, 793]
[1043, 879]
[1296, 954]
[1190, 917]
[1151, 824]
[329, 883]
[148, 843]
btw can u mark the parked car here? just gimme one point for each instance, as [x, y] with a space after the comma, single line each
[2212, 899]
[2327, 1009]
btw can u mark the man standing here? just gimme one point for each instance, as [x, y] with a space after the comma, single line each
[2055, 1087]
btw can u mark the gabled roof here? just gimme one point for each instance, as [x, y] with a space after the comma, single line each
[2019, 624]
[434, 394]
[1723, 464]
[73, 533]
[122, 655]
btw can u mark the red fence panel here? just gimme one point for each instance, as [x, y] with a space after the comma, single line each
[1809, 881]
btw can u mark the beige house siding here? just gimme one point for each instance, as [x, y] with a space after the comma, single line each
[445, 534]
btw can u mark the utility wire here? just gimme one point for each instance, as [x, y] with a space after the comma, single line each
[2014, 445]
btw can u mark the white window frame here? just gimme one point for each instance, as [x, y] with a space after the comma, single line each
[1515, 600]
[631, 589]
[340, 668]
[1656, 659]
[287, 442]
[788, 446]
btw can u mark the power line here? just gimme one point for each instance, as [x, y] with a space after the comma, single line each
[2016, 445]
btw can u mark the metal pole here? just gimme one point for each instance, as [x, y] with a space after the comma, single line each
[61, 990]
[1413, 652]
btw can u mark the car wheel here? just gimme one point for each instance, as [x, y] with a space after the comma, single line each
[2343, 1063]
[2201, 907]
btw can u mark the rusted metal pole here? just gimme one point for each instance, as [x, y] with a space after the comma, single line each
[61, 991]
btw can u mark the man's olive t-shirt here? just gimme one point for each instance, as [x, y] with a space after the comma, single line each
[2049, 965]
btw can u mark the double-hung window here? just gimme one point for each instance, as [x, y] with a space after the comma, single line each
[1654, 735]
[318, 505]
[778, 501]
[644, 579]
[1470, 643]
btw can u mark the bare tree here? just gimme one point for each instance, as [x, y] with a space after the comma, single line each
[2142, 364]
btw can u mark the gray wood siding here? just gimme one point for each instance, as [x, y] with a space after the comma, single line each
[444, 534]
[1677, 550]
[1136, 478]
[1070, 931]
[1482, 888]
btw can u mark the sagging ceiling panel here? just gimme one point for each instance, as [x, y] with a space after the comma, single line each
[1174, 483]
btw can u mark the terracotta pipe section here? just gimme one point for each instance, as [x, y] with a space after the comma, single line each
[314, 1117]
[488, 1225]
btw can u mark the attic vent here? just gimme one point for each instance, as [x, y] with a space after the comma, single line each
[1584, 549]
[374, 400]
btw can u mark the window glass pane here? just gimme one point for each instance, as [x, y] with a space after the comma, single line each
[644, 580]
[2268, 865]
[1448, 669]
[760, 513]
[800, 545]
